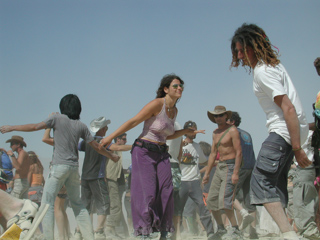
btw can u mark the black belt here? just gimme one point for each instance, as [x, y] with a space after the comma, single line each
[153, 147]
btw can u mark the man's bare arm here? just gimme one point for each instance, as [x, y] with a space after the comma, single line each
[211, 161]
[116, 147]
[235, 138]
[104, 152]
[293, 126]
[23, 128]
[18, 162]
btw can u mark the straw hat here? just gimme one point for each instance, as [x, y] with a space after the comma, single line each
[217, 111]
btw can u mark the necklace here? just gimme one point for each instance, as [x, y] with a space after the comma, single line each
[169, 109]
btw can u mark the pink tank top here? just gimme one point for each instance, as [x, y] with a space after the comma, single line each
[158, 128]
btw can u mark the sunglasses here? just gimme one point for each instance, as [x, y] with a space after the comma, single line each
[124, 139]
[219, 115]
[175, 86]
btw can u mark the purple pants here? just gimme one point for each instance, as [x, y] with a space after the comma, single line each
[151, 192]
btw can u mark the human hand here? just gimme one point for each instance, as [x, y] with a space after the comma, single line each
[205, 179]
[317, 65]
[5, 129]
[9, 153]
[234, 178]
[104, 142]
[191, 131]
[114, 157]
[302, 158]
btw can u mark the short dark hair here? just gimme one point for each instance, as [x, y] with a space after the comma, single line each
[120, 136]
[70, 105]
[236, 118]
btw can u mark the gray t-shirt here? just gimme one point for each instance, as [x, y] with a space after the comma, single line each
[66, 133]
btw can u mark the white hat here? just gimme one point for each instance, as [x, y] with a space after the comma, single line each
[98, 123]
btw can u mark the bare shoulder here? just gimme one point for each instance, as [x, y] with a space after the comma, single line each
[24, 154]
[155, 105]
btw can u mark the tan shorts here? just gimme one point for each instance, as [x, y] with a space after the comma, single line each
[222, 191]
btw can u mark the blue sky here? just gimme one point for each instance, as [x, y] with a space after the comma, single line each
[113, 54]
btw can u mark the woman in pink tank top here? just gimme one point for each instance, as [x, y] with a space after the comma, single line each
[151, 180]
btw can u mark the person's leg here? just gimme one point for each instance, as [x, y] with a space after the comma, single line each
[81, 213]
[269, 179]
[61, 219]
[195, 193]
[143, 191]
[305, 202]
[164, 202]
[177, 210]
[9, 205]
[54, 183]
[100, 194]
[113, 219]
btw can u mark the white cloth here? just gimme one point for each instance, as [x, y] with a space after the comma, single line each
[192, 155]
[269, 82]
[308, 149]
[174, 145]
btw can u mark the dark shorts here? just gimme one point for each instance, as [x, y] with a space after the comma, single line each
[244, 186]
[35, 194]
[96, 189]
[270, 174]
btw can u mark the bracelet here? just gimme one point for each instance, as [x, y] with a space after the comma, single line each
[12, 155]
[297, 149]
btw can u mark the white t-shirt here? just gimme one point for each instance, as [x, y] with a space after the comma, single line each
[192, 155]
[308, 149]
[269, 82]
[174, 145]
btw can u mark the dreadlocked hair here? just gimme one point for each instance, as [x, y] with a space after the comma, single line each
[250, 35]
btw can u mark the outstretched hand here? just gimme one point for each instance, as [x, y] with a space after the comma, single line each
[189, 130]
[5, 129]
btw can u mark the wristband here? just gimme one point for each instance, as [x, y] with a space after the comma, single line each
[12, 155]
[297, 149]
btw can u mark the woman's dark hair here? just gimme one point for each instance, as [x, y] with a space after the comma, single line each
[70, 105]
[165, 82]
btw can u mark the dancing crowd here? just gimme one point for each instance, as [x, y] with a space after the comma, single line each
[175, 185]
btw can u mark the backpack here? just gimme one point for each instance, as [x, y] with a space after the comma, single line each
[315, 142]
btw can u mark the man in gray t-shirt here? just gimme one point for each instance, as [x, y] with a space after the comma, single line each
[67, 131]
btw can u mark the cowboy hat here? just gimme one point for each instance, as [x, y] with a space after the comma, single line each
[98, 123]
[17, 139]
[218, 110]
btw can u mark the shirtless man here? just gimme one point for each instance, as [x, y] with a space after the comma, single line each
[22, 165]
[226, 141]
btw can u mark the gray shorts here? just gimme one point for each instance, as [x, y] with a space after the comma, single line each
[270, 175]
[222, 191]
[96, 189]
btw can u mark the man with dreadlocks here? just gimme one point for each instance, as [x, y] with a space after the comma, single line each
[286, 122]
